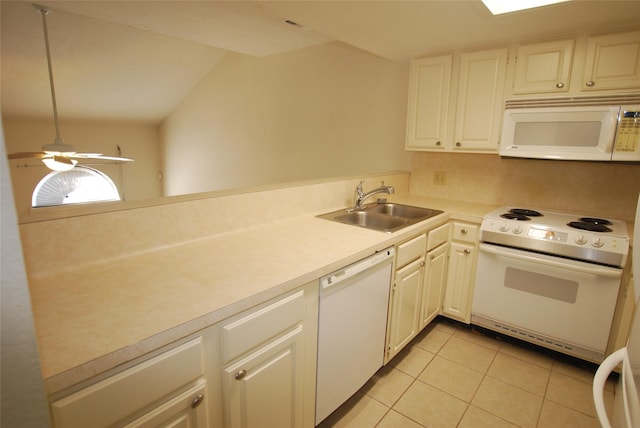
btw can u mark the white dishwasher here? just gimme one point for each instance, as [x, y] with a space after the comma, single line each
[351, 329]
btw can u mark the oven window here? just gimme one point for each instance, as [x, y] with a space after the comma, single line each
[542, 285]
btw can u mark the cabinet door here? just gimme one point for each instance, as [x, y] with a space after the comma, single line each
[434, 281]
[429, 83]
[612, 62]
[128, 393]
[405, 307]
[265, 388]
[459, 288]
[543, 67]
[480, 100]
[187, 410]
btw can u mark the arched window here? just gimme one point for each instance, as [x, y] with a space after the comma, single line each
[76, 186]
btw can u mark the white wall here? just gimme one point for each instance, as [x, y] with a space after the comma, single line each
[323, 111]
[22, 391]
[136, 180]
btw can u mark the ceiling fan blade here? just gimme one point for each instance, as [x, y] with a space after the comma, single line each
[29, 155]
[99, 156]
[59, 151]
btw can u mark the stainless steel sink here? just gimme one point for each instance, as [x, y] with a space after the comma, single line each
[386, 217]
[404, 211]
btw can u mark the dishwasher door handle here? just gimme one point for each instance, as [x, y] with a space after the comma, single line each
[356, 268]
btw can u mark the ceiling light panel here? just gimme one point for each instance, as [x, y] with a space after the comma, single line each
[498, 7]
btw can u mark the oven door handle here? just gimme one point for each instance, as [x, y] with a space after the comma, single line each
[565, 264]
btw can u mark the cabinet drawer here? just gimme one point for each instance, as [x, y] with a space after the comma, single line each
[438, 236]
[465, 232]
[411, 250]
[120, 396]
[253, 328]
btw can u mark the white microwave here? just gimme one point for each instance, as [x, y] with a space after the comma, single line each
[570, 130]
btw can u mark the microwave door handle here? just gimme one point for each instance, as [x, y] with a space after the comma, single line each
[613, 133]
[565, 264]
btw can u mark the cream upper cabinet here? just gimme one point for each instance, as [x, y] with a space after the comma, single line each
[439, 120]
[543, 67]
[586, 65]
[612, 62]
[429, 83]
[480, 100]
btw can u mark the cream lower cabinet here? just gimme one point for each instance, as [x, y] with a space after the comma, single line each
[269, 357]
[255, 369]
[168, 390]
[416, 292]
[185, 410]
[434, 279]
[460, 272]
[405, 302]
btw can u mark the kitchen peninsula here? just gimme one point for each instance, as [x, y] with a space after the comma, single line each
[124, 284]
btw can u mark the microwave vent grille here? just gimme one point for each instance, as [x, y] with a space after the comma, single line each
[573, 101]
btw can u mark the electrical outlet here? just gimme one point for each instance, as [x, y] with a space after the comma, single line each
[440, 178]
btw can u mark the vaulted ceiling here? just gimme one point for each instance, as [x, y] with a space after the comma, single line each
[136, 60]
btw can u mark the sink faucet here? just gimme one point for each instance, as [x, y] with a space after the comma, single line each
[360, 195]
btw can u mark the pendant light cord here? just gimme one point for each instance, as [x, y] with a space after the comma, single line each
[44, 11]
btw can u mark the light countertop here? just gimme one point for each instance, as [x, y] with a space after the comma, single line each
[93, 318]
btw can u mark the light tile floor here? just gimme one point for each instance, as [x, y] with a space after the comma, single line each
[451, 376]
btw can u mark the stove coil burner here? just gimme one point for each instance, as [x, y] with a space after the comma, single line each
[591, 224]
[520, 214]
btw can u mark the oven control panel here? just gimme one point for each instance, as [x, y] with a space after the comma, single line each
[585, 245]
[547, 234]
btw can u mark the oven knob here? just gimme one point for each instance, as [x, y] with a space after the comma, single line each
[517, 230]
[581, 240]
[597, 242]
[504, 227]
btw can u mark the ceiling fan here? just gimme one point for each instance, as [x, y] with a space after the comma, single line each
[59, 156]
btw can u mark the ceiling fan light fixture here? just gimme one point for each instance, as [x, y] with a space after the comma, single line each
[58, 156]
[58, 148]
[59, 163]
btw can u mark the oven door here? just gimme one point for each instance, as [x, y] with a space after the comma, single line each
[562, 304]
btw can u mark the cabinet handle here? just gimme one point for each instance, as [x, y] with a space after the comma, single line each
[559, 85]
[197, 401]
[467, 251]
[458, 144]
[432, 257]
[438, 143]
[590, 83]
[464, 231]
[240, 374]
[421, 264]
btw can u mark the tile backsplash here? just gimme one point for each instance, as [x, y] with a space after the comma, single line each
[591, 188]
